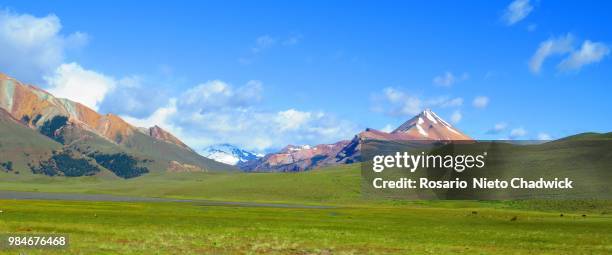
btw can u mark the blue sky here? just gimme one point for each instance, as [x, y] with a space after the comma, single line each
[268, 73]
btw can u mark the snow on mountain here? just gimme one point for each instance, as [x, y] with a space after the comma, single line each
[428, 125]
[228, 154]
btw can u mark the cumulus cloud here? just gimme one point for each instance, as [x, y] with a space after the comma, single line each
[160, 117]
[271, 129]
[590, 52]
[133, 96]
[292, 119]
[396, 102]
[480, 102]
[517, 11]
[31, 47]
[401, 102]
[263, 42]
[448, 79]
[544, 136]
[498, 128]
[456, 117]
[517, 133]
[73, 82]
[550, 47]
[444, 102]
[267, 42]
[216, 111]
[216, 94]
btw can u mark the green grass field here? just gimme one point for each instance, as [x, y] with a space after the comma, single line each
[339, 185]
[353, 226]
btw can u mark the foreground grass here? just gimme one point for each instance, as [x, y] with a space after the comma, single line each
[357, 226]
[337, 185]
[186, 228]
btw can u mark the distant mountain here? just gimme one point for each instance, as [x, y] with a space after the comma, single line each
[425, 126]
[228, 154]
[296, 158]
[81, 133]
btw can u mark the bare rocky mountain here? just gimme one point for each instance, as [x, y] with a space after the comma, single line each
[296, 158]
[425, 126]
[107, 138]
[228, 154]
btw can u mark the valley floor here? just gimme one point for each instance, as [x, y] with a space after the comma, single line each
[188, 228]
[341, 222]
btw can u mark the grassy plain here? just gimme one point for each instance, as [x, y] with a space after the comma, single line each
[354, 225]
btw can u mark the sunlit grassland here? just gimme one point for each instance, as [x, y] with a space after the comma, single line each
[190, 228]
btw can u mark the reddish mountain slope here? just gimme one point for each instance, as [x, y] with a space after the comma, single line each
[27, 102]
[428, 126]
[424, 126]
[297, 158]
[125, 149]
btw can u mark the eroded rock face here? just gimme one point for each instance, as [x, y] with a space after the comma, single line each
[33, 106]
[429, 126]
[177, 167]
[163, 135]
[426, 126]
[71, 125]
[297, 158]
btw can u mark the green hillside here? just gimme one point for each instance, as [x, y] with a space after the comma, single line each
[350, 224]
[159, 150]
[21, 145]
[60, 148]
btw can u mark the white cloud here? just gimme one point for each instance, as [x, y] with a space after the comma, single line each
[396, 102]
[159, 117]
[552, 46]
[590, 52]
[517, 11]
[448, 79]
[480, 102]
[498, 128]
[133, 96]
[73, 82]
[263, 42]
[456, 117]
[388, 128]
[517, 133]
[544, 136]
[31, 47]
[402, 103]
[292, 119]
[272, 129]
[215, 112]
[444, 102]
[216, 94]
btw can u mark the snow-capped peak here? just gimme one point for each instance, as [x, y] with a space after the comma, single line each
[428, 125]
[300, 147]
[228, 154]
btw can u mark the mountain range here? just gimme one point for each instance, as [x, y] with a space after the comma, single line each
[55, 136]
[229, 154]
[427, 125]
